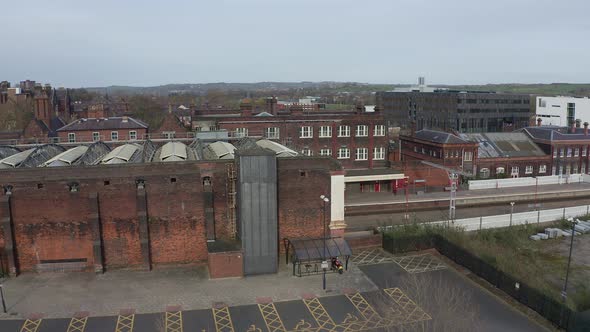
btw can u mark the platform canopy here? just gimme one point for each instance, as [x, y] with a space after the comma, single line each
[305, 250]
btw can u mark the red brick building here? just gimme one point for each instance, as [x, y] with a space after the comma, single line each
[141, 215]
[357, 139]
[482, 155]
[103, 129]
[568, 148]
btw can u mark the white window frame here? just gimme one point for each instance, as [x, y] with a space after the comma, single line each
[515, 170]
[468, 156]
[71, 137]
[307, 152]
[96, 136]
[576, 152]
[584, 149]
[528, 170]
[114, 135]
[272, 132]
[379, 130]
[569, 152]
[343, 131]
[379, 153]
[500, 170]
[326, 152]
[362, 131]
[542, 168]
[325, 131]
[361, 154]
[561, 152]
[343, 153]
[133, 135]
[306, 132]
[241, 132]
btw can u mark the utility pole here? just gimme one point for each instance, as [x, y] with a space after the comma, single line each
[324, 261]
[569, 259]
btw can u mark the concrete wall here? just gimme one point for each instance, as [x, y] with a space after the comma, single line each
[524, 182]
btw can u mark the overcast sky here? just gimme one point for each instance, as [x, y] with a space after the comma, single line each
[143, 42]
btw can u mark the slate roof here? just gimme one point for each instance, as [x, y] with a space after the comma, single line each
[554, 133]
[439, 137]
[117, 122]
[498, 145]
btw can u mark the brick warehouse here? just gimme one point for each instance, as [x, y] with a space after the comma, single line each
[144, 215]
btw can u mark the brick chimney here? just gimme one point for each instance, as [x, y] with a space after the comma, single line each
[271, 105]
[585, 128]
[42, 108]
[246, 107]
[573, 128]
[578, 123]
[539, 121]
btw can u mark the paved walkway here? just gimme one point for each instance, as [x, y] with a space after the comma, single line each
[62, 294]
[413, 295]
[360, 199]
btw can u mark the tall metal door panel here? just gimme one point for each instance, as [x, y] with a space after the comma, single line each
[257, 212]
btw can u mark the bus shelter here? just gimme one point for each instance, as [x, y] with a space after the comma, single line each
[307, 254]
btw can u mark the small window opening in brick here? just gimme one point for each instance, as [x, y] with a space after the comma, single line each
[172, 180]
[40, 186]
[302, 173]
[207, 181]
[107, 182]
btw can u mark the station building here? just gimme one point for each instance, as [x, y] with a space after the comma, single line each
[145, 204]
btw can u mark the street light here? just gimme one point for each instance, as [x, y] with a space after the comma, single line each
[511, 212]
[567, 272]
[325, 199]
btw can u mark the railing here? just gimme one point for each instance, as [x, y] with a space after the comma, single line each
[527, 181]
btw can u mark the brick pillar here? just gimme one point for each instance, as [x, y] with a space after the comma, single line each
[144, 236]
[95, 229]
[8, 229]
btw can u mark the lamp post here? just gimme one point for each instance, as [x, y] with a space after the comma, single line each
[511, 212]
[324, 262]
[2, 296]
[569, 260]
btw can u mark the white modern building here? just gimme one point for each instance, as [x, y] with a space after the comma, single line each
[562, 111]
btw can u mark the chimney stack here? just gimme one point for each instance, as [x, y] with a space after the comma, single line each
[246, 107]
[578, 122]
[539, 120]
[573, 128]
[585, 128]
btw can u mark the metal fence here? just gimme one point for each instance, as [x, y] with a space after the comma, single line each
[527, 181]
[553, 310]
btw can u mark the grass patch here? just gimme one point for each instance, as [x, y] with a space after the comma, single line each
[509, 250]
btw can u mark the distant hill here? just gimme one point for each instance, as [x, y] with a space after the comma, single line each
[337, 87]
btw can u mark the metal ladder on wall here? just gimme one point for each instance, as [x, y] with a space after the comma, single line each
[231, 199]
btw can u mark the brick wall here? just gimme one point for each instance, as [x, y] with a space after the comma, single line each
[226, 264]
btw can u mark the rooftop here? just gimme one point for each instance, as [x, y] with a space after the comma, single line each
[122, 122]
[498, 145]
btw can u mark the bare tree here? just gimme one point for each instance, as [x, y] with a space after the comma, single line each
[450, 307]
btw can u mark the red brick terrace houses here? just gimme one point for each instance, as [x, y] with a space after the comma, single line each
[111, 129]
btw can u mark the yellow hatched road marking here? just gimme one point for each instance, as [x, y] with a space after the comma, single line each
[77, 324]
[412, 311]
[125, 323]
[222, 319]
[319, 313]
[31, 325]
[174, 321]
[271, 317]
[363, 306]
